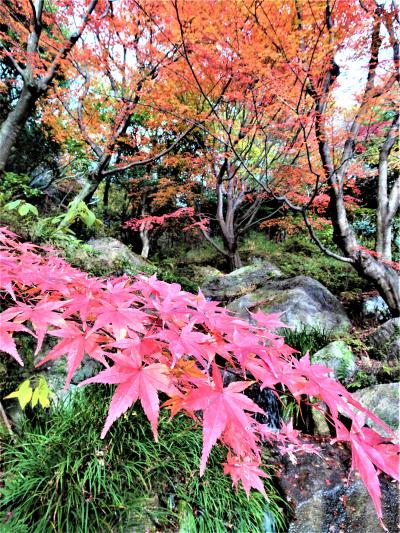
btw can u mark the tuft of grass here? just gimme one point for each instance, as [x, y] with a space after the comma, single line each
[60, 476]
[307, 339]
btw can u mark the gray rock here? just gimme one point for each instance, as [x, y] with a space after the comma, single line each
[325, 512]
[204, 273]
[303, 302]
[241, 281]
[386, 340]
[321, 426]
[113, 255]
[338, 356]
[375, 307]
[321, 500]
[383, 400]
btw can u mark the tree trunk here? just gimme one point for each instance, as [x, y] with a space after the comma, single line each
[386, 208]
[384, 278]
[144, 236]
[106, 197]
[232, 253]
[234, 261]
[15, 120]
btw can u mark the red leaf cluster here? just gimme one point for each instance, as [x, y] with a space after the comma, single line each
[152, 337]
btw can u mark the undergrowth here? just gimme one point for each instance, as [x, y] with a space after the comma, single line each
[60, 476]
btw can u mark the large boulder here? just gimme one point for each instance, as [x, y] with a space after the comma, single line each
[111, 255]
[202, 274]
[226, 287]
[383, 400]
[338, 356]
[303, 302]
[321, 500]
[385, 340]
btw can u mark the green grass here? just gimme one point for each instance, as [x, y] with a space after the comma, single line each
[307, 339]
[60, 476]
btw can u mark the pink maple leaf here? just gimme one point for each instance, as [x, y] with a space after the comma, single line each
[7, 343]
[248, 471]
[135, 381]
[221, 406]
[75, 343]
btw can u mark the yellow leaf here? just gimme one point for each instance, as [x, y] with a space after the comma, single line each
[23, 393]
[41, 393]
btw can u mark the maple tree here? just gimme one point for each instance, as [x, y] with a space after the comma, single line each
[152, 337]
[36, 41]
[309, 44]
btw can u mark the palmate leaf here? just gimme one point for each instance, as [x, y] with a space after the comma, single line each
[23, 393]
[75, 344]
[221, 407]
[41, 394]
[7, 343]
[135, 382]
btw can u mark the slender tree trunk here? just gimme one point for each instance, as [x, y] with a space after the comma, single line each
[14, 122]
[144, 236]
[385, 211]
[382, 276]
[232, 253]
[106, 195]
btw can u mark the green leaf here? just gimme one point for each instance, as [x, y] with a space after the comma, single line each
[33, 209]
[26, 208]
[12, 205]
[23, 393]
[23, 209]
[89, 218]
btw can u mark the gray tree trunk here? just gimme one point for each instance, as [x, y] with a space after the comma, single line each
[14, 122]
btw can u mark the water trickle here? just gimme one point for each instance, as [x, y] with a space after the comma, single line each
[269, 522]
[267, 400]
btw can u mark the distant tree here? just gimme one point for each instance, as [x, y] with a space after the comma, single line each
[36, 40]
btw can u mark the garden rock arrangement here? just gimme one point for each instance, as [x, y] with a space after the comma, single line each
[302, 300]
[242, 281]
[111, 254]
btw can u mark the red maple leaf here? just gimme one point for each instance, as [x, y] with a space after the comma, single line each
[221, 406]
[7, 343]
[76, 342]
[248, 471]
[135, 381]
[42, 315]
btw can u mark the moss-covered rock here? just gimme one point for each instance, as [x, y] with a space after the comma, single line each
[112, 256]
[226, 287]
[337, 356]
[383, 400]
[385, 341]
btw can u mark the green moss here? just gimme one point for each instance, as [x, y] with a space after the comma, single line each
[299, 256]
